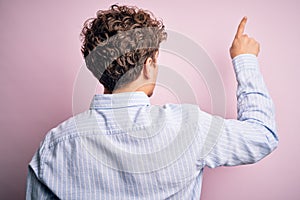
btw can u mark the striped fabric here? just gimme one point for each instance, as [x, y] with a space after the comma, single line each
[125, 148]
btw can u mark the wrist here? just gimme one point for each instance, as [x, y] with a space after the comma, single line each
[245, 61]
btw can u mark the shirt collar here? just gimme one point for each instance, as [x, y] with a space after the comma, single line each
[119, 100]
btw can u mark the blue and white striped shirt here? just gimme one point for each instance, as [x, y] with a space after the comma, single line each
[125, 148]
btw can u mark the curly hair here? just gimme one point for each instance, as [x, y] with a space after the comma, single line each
[117, 43]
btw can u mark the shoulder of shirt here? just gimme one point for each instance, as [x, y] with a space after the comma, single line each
[63, 131]
[184, 107]
[68, 129]
[189, 112]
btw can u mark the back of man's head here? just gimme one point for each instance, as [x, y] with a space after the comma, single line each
[117, 43]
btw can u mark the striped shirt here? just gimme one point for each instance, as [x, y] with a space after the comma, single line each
[125, 148]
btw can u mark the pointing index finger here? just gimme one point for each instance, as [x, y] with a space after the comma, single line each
[241, 28]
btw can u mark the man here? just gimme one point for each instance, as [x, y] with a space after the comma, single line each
[125, 148]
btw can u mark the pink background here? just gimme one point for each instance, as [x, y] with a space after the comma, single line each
[40, 57]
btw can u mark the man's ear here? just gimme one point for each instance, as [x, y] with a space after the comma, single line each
[148, 68]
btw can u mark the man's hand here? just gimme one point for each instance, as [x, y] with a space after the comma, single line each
[242, 44]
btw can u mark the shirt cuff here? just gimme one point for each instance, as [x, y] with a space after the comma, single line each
[245, 62]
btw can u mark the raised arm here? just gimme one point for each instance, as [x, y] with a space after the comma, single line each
[253, 135]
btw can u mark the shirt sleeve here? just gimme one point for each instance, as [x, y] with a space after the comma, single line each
[35, 188]
[253, 135]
